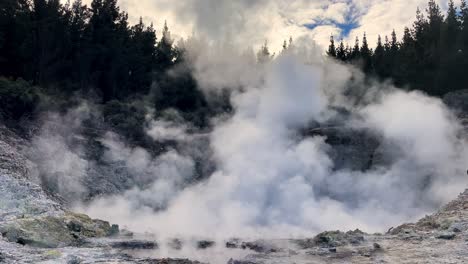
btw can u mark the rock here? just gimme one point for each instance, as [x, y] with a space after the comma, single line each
[456, 227]
[166, 261]
[232, 261]
[231, 244]
[446, 236]
[377, 246]
[47, 232]
[331, 239]
[204, 244]
[20, 197]
[175, 244]
[84, 226]
[74, 260]
[135, 244]
[69, 229]
[125, 233]
[114, 230]
[258, 246]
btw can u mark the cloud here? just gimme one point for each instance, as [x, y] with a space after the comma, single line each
[252, 22]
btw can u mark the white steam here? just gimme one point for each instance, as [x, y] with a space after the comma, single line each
[58, 152]
[165, 130]
[270, 181]
[158, 178]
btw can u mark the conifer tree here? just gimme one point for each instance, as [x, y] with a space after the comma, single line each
[365, 54]
[263, 54]
[355, 53]
[165, 54]
[378, 58]
[331, 48]
[341, 52]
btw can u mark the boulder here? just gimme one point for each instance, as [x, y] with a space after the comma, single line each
[69, 229]
[446, 235]
[333, 239]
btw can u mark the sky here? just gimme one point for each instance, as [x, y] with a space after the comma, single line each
[252, 22]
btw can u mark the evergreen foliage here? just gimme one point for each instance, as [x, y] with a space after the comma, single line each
[431, 55]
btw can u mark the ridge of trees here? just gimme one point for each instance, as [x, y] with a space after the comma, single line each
[69, 50]
[78, 47]
[431, 56]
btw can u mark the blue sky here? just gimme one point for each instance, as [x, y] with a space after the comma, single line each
[351, 21]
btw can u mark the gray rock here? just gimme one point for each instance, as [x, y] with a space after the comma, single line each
[204, 244]
[74, 260]
[331, 239]
[135, 244]
[68, 229]
[456, 227]
[377, 246]
[233, 261]
[446, 235]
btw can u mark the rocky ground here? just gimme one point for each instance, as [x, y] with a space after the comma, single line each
[36, 228]
[438, 238]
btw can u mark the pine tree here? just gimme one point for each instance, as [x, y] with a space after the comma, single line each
[16, 52]
[263, 54]
[78, 23]
[464, 26]
[341, 52]
[349, 52]
[331, 48]
[433, 49]
[406, 73]
[420, 27]
[355, 52]
[378, 58]
[107, 53]
[387, 44]
[366, 54]
[394, 43]
[165, 55]
[452, 25]
[49, 41]
[142, 57]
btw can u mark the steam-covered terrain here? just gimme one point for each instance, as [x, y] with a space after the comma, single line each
[297, 155]
[119, 146]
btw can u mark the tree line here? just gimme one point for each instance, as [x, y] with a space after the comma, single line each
[72, 49]
[432, 54]
[65, 50]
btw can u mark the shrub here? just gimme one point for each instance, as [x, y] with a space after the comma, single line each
[127, 119]
[18, 99]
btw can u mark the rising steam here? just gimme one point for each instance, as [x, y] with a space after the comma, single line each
[270, 180]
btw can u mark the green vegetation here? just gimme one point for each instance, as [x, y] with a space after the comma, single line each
[431, 56]
[52, 55]
[18, 99]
